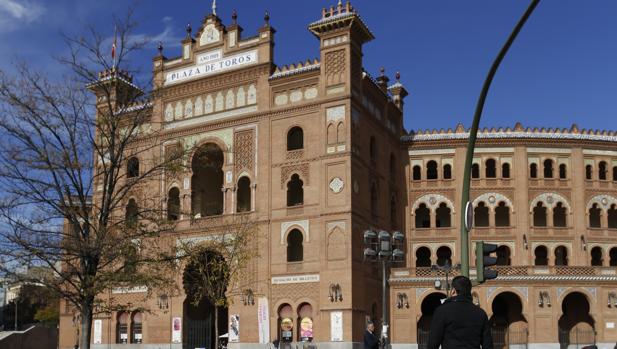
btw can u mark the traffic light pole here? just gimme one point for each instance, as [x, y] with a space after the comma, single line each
[474, 132]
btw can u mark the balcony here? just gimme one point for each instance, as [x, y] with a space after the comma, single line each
[525, 270]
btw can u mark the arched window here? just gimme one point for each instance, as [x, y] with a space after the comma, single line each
[563, 173]
[588, 172]
[374, 202]
[173, 204]
[340, 133]
[614, 173]
[295, 250]
[613, 257]
[392, 168]
[393, 221]
[331, 134]
[503, 255]
[431, 170]
[539, 215]
[595, 213]
[533, 170]
[480, 215]
[417, 173]
[132, 168]
[136, 328]
[475, 171]
[561, 256]
[373, 149]
[541, 255]
[612, 217]
[490, 168]
[505, 170]
[207, 181]
[295, 138]
[131, 214]
[559, 215]
[502, 215]
[443, 216]
[596, 256]
[548, 168]
[243, 195]
[423, 217]
[295, 191]
[602, 170]
[444, 256]
[122, 328]
[447, 171]
[423, 257]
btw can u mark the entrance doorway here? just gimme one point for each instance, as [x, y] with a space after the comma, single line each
[198, 314]
[508, 325]
[576, 326]
[429, 304]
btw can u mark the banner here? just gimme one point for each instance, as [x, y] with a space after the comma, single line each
[263, 320]
[336, 326]
[234, 328]
[176, 330]
[98, 332]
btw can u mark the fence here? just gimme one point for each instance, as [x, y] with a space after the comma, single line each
[502, 338]
[576, 338]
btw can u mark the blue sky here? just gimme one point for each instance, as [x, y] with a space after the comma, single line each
[561, 70]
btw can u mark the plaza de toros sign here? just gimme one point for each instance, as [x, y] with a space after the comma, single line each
[210, 63]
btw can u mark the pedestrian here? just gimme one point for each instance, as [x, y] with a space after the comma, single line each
[458, 323]
[370, 340]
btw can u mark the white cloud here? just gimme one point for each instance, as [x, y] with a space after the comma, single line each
[13, 13]
[167, 36]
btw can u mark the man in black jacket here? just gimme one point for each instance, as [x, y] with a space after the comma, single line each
[458, 323]
[370, 340]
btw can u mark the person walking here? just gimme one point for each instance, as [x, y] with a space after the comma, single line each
[458, 323]
[370, 340]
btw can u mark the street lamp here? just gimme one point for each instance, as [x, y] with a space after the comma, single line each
[447, 269]
[384, 247]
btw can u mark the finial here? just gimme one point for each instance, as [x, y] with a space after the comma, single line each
[398, 76]
[267, 18]
[189, 30]
[382, 71]
[234, 16]
[214, 7]
[160, 48]
[339, 6]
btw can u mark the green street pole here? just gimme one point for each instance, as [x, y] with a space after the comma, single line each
[474, 132]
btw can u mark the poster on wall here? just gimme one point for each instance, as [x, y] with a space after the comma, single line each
[306, 329]
[98, 332]
[234, 328]
[336, 326]
[263, 320]
[176, 330]
[287, 326]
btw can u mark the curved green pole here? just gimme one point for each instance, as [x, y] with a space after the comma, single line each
[474, 132]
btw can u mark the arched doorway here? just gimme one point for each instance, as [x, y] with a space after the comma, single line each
[429, 304]
[508, 325]
[198, 312]
[576, 326]
[207, 181]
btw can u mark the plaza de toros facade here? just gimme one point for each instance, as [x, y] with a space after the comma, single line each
[548, 199]
[315, 153]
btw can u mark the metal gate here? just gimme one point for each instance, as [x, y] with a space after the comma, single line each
[422, 338]
[197, 334]
[504, 337]
[576, 338]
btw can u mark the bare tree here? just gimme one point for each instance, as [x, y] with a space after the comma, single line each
[217, 263]
[74, 169]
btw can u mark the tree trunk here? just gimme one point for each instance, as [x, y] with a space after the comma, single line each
[86, 325]
[216, 327]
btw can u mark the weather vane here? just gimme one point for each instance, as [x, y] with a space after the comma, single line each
[214, 7]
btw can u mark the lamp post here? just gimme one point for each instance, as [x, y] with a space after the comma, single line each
[384, 247]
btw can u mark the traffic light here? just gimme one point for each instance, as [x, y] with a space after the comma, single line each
[484, 260]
